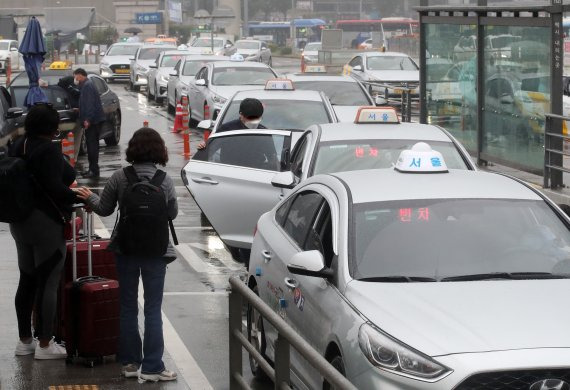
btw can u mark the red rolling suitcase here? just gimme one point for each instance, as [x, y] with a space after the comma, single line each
[90, 310]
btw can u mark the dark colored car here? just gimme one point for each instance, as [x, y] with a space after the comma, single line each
[58, 97]
[11, 120]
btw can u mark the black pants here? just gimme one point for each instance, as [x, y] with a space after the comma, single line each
[92, 139]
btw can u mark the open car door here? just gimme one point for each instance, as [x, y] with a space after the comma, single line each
[230, 180]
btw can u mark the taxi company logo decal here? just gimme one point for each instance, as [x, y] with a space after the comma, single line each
[299, 299]
[550, 384]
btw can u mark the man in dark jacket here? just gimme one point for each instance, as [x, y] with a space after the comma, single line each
[91, 117]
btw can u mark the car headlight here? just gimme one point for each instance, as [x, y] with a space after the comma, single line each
[218, 99]
[141, 68]
[185, 88]
[390, 354]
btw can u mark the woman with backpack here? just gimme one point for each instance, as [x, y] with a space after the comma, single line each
[147, 204]
[39, 237]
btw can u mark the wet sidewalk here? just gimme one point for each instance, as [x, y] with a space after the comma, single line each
[26, 373]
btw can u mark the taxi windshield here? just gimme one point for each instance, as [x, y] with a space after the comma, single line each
[169, 61]
[391, 63]
[354, 155]
[207, 42]
[447, 239]
[242, 76]
[340, 93]
[152, 52]
[192, 67]
[247, 45]
[123, 50]
[285, 114]
[4, 45]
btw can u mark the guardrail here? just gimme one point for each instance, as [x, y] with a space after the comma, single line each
[399, 93]
[554, 152]
[287, 337]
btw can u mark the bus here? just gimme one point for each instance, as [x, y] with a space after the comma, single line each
[357, 31]
[307, 30]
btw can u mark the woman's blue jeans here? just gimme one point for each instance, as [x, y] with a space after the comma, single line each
[147, 355]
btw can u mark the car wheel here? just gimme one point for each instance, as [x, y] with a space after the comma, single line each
[83, 145]
[149, 96]
[338, 363]
[131, 85]
[157, 98]
[256, 336]
[114, 138]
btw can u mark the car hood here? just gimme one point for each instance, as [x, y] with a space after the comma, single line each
[346, 113]
[227, 91]
[462, 317]
[311, 53]
[247, 52]
[116, 60]
[164, 71]
[186, 80]
[395, 75]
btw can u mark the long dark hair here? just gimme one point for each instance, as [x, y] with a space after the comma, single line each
[147, 145]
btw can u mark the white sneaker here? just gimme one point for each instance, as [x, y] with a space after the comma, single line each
[52, 351]
[130, 371]
[165, 375]
[23, 349]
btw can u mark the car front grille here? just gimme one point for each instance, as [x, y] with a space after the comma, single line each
[512, 380]
[115, 67]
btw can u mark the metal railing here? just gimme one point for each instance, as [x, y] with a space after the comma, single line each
[287, 337]
[399, 94]
[554, 152]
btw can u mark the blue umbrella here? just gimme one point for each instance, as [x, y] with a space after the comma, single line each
[33, 50]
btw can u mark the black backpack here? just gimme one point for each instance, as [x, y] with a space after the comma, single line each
[17, 188]
[143, 223]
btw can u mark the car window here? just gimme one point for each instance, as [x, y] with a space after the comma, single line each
[100, 85]
[259, 151]
[281, 213]
[191, 67]
[319, 236]
[177, 66]
[279, 114]
[354, 155]
[248, 45]
[14, 45]
[242, 76]
[170, 60]
[341, 93]
[152, 52]
[301, 215]
[4, 45]
[122, 50]
[391, 63]
[355, 61]
[298, 156]
[58, 98]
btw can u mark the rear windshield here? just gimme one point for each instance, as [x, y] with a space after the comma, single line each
[192, 67]
[341, 93]
[169, 61]
[122, 50]
[391, 63]
[247, 45]
[206, 42]
[151, 53]
[242, 76]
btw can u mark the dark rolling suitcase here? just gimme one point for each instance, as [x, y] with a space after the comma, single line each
[91, 311]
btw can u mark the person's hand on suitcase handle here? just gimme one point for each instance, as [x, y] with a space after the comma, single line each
[83, 192]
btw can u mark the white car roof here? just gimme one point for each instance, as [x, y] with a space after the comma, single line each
[279, 95]
[376, 185]
[383, 54]
[154, 45]
[319, 77]
[205, 57]
[407, 131]
[239, 64]
[174, 52]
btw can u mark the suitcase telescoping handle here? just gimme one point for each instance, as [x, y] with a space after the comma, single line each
[89, 226]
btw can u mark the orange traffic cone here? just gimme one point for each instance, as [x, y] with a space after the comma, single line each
[67, 148]
[71, 139]
[185, 127]
[178, 119]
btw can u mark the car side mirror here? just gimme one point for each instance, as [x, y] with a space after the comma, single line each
[309, 263]
[207, 124]
[284, 180]
[174, 74]
[153, 66]
[380, 101]
[101, 54]
[14, 49]
[357, 68]
[14, 112]
[227, 45]
[131, 58]
[201, 82]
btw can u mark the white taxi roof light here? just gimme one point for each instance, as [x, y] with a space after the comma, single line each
[421, 158]
[315, 69]
[237, 57]
[376, 115]
[279, 84]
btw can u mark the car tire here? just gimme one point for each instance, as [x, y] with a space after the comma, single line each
[338, 363]
[170, 108]
[115, 137]
[157, 98]
[256, 336]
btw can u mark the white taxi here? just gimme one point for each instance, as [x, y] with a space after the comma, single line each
[215, 82]
[242, 174]
[417, 277]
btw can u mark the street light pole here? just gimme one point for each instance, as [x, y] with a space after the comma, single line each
[245, 31]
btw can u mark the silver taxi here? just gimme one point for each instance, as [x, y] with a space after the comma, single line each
[159, 73]
[418, 277]
[216, 82]
[115, 63]
[233, 194]
[141, 61]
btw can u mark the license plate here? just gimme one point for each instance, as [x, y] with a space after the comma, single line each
[122, 71]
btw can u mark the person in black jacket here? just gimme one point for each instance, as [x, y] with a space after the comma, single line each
[40, 238]
[91, 116]
[73, 93]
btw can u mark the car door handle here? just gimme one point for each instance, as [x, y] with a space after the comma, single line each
[266, 255]
[205, 180]
[291, 283]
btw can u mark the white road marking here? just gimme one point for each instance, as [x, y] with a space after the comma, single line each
[198, 293]
[192, 258]
[187, 366]
[185, 362]
[193, 227]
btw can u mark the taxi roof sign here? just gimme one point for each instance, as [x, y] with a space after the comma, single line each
[376, 115]
[421, 158]
[279, 84]
[237, 57]
[315, 69]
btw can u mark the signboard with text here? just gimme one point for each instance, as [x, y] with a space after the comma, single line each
[148, 17]
[175, 11]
